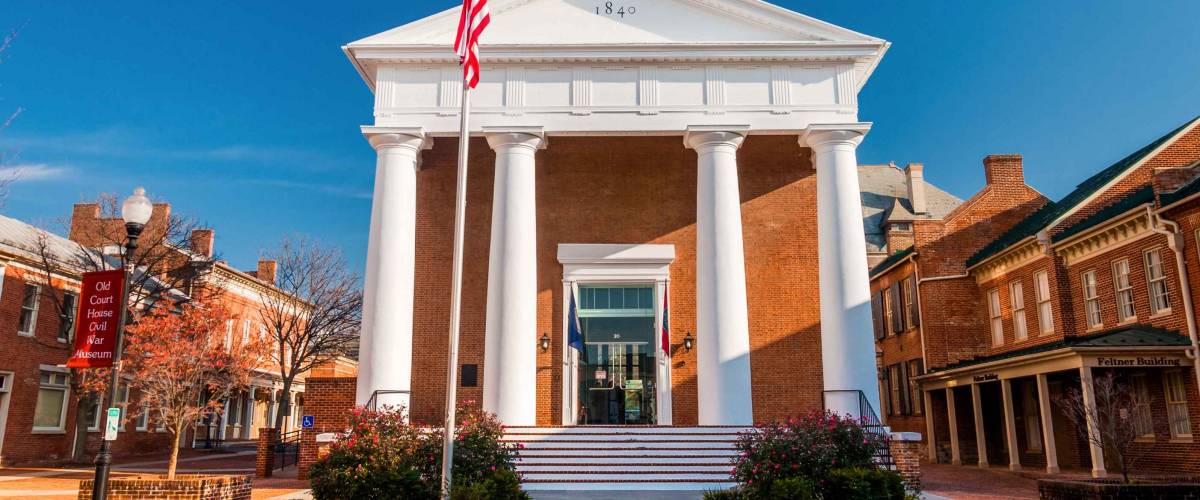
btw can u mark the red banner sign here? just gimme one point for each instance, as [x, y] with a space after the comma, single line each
[99, 312]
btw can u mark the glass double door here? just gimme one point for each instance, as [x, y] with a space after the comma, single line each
[618, 365]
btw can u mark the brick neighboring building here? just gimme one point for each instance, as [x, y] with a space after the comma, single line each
[37, 408]
[998, 309]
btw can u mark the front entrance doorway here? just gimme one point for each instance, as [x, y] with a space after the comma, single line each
[617, 368]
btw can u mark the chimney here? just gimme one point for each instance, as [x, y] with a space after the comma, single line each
[1003, 170]
[84, 218]
[266, 271]
[202, 241]
[915, 177]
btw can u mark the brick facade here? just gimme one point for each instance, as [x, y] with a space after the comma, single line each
[330, 401]
[183, 487]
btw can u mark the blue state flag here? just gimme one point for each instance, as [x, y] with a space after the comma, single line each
[574, 333]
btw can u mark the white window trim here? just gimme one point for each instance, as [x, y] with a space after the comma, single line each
[1016, 302]
[1045, 324]
[6, 381]
[1127, 289]
[66, 388]
[245, 332]
[1162, 271]
[33, 318]
[995, 317]
[1091, 298]
[72, 313]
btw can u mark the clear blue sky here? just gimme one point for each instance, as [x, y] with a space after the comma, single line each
[245, 114]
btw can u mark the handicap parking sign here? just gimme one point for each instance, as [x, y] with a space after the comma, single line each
[307, 421]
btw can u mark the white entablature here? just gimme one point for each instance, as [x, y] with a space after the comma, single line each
[571, 67]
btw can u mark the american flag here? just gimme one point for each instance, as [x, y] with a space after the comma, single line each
[471, 22]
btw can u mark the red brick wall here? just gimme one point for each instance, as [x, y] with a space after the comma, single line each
[330, 401]
[629, 190]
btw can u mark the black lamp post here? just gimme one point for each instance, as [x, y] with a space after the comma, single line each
[136, 212]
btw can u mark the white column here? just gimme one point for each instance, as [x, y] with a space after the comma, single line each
[248, 419]
[980, 435]
[1093, 427]
[510, 347]
[722, 319]
[847, 342]
[1048, 445]
[931, 442]
[224, 419]
[1010, 426]
[385, 346]
[952, 413]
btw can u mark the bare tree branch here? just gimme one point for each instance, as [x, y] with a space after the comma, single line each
[313, 313]
[1116, 411]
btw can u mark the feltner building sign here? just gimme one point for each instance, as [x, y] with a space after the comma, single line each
[626, 156]
[1140, 361]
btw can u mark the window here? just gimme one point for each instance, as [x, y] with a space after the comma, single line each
[92, 414]
[228, 334]
[1156, 282]
[235, 410]
[894, 379]
[1143, 422]
[1045, 316]
[122, 402]
[245, 332]
[1017, 302]
[1091, 300]
[50, 412]
[1125, 309]
[915, 369]
[69, 305]
[994, 314]
[911, 313]
[1177, 412]
[143, 420]
[1033, 424]
[29, 309]
[879, 322]
[896, 301]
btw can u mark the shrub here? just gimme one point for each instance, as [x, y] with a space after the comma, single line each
[732, 494]
[383, 456]
[802, 447]
[864, 484]
[792, 488]
[500, 485]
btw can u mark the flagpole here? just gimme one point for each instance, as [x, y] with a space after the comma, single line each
[460, 216]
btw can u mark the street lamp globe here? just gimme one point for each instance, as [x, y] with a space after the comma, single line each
[137, 208]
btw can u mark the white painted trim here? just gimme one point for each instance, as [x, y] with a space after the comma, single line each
[5, 391]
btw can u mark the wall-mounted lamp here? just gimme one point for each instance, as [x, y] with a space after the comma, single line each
[689, 342]
[544, 342]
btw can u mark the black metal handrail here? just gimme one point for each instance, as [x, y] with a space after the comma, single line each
[374, 399]
[871, 423]
[287, 447]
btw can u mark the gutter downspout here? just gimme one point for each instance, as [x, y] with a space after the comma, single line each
[920, 310]
[1175, 241]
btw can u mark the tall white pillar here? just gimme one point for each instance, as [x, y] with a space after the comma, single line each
[722, 319]
[385, 346]
[510, 346]
[1010, 426]
[248, 429]
[847, 341]
[952, 415]
[1047, 418]
[1093, 427]
[980, 435]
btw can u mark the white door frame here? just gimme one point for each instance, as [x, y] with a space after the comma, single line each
[642, 264]
[6, 384]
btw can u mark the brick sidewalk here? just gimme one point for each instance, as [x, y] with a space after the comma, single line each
[964, 482]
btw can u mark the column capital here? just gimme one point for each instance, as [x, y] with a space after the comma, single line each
[819, 134]
[383, 137]
[706, 136]
[533, 138]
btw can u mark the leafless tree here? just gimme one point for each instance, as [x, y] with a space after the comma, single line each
[165, 269]
[312, 314]
[1116, 410]
[8, 176]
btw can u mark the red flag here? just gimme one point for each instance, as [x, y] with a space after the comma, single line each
[666, 321]
[471, 22]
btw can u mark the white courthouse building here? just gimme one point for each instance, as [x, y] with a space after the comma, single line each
[688, 162]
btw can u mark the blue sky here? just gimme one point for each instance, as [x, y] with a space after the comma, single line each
[245, 114]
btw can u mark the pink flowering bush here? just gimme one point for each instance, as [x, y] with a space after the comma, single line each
[805, 448]
[383, 456]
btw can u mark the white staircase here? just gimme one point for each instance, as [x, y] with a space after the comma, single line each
[625, 458]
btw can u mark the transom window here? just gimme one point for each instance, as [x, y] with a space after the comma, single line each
[1091, 300]
[1124, 289]
[1156, 282]
[619, 300]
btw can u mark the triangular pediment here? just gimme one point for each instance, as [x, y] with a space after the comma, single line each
[633, 22]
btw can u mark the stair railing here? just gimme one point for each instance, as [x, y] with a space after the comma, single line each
[870, 422]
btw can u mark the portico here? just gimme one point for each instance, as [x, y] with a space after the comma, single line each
[576, 130]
